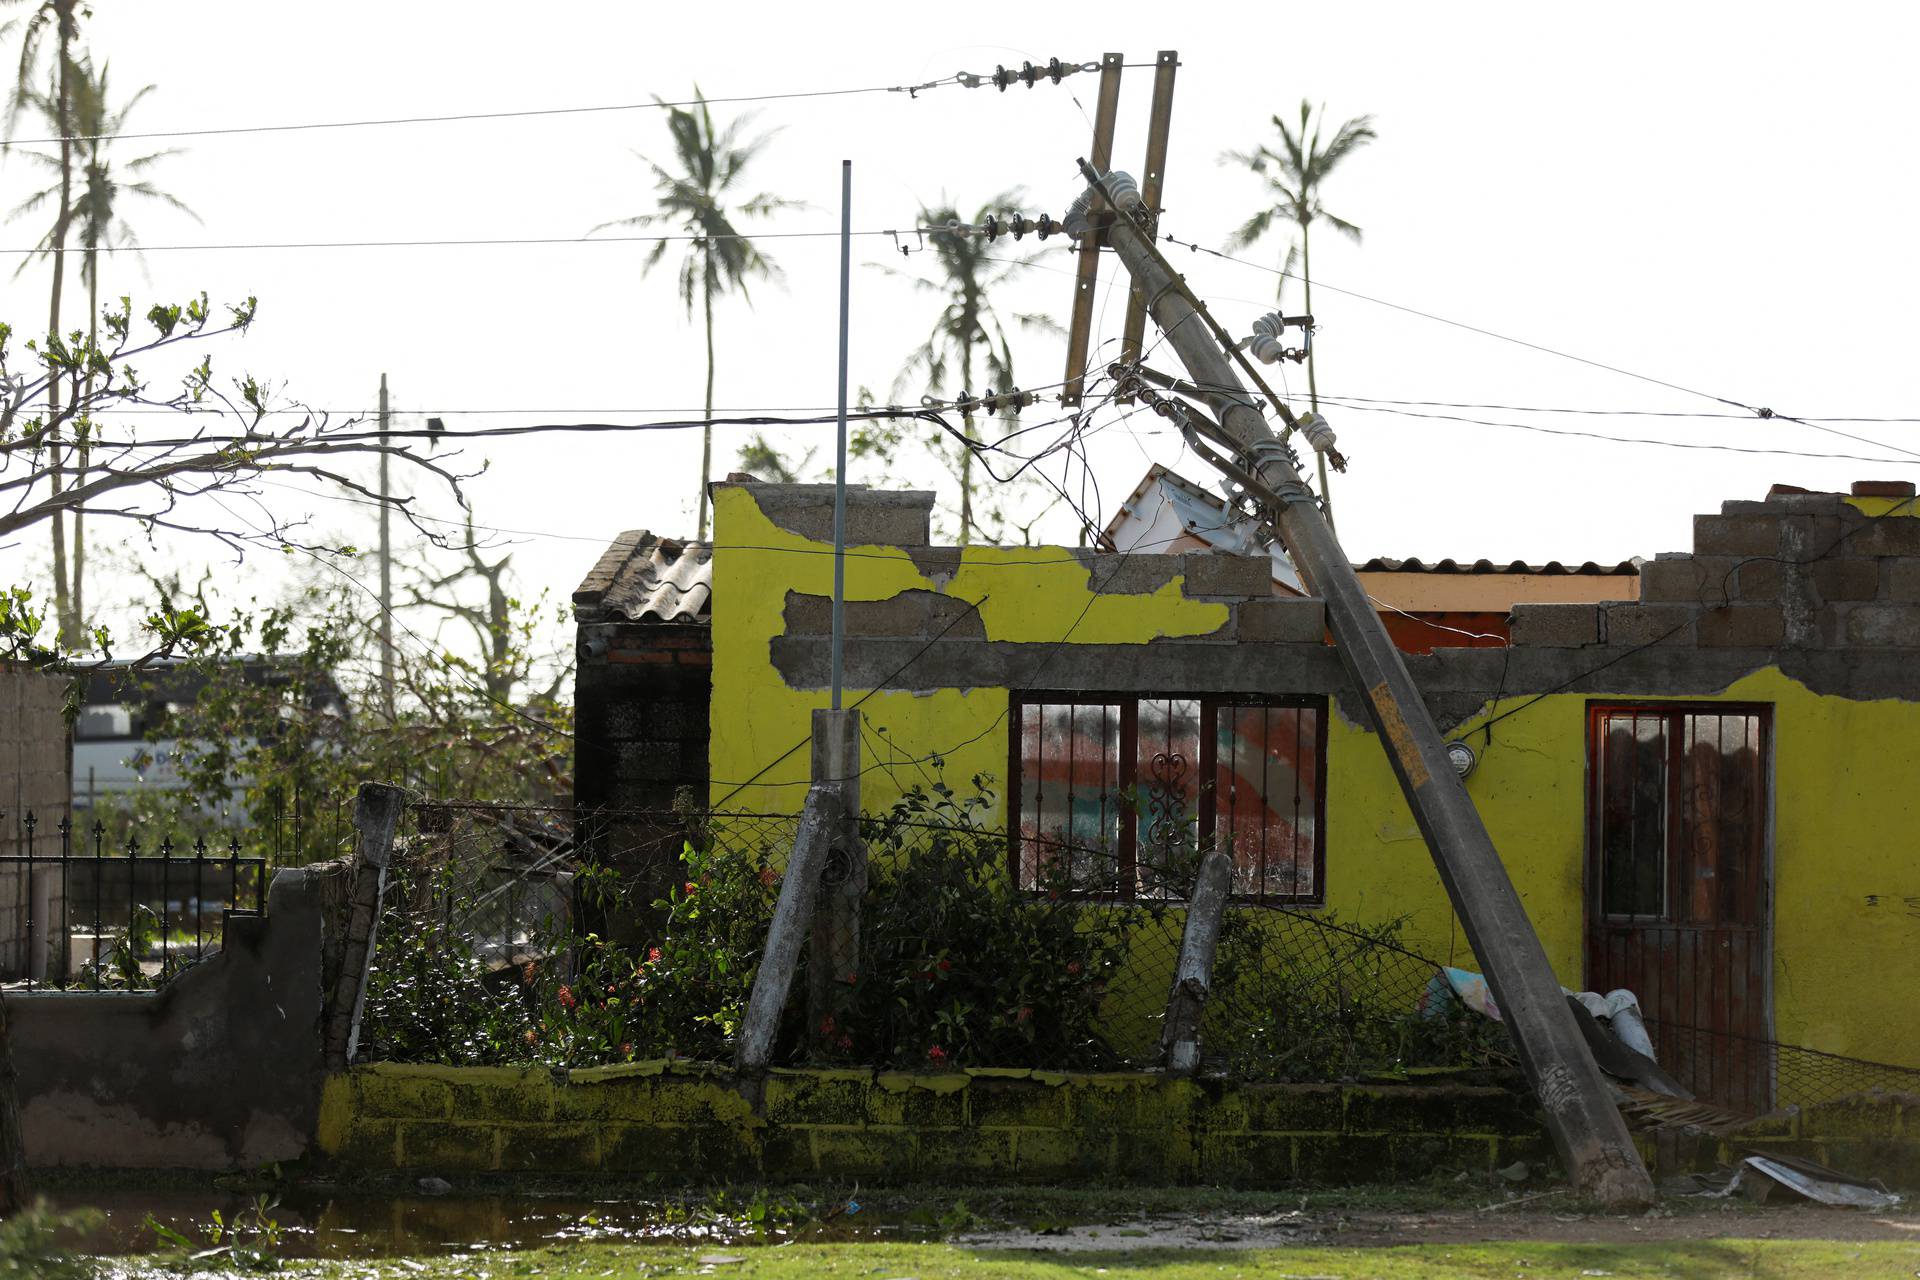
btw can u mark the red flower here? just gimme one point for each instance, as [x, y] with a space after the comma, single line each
[768, 875]
[609, 988]
[852, 977]
[627, 1049]
[566, 997]
[936, 1055]
[846, 1042]
[826, 1025]
[1073, 968]
[944, 966]
[690, 888]
[1026, 1012]
[653, 955]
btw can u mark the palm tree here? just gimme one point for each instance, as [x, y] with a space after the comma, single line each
[968, 336]
[1293, 176]
[101, 225]
[711, 162]
[98, 219]
[61, 18]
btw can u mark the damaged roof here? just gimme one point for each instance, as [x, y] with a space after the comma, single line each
[642, 577]
[1381, 564]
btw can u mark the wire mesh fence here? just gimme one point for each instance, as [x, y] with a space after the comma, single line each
[513, 935]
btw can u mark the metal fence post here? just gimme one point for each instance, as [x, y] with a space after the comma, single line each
[376, 813]
[1193, 976]
[819, 824]
[833, 958]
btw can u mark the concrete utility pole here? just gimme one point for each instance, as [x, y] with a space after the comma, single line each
[386, 566]
[1586, 1125]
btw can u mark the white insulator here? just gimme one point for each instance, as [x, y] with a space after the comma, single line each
[1075, 223]
[1266, 349]
[1318, 433]
[1122, 190]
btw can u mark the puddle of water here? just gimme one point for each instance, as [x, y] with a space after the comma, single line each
[329, 1225]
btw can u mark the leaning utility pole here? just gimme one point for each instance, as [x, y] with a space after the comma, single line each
[386, 566]
[1580, 1111]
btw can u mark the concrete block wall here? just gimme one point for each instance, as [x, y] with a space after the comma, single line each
[691, 1121]
[1810, 571]
[36, 761]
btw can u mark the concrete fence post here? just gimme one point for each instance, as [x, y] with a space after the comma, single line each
[1193, 977]
[833, 956]
[792, 917]
[376, 815]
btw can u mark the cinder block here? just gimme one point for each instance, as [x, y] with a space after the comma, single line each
[864, 1153]
[1902, 579]
[1890, 536]
[1753, 534]
[1742, 626]
[1130, 574]
[1687, 579]
[1284, 619]
[1892, 626]
[554, 1148]
[1846, 579]
[1559, 626]
[1756, 579]
[1646, 624]
[1883, 489]
[1021, 1104]
[1211, 573]
[437, 1145]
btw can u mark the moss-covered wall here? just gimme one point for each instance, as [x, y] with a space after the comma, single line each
[691, 1122]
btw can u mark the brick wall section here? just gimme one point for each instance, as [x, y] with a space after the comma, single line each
[693, 1122]
[1798, 571]
[36, 761]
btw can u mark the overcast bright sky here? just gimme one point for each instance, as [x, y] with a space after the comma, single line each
[1717, 196]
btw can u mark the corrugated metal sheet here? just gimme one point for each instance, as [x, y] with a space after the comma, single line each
[645, 578]
[1381, 564]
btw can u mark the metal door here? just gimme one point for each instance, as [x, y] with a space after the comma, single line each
[1679, 907]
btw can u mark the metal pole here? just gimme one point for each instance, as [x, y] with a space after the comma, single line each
[1586, 1125]
[840, 443]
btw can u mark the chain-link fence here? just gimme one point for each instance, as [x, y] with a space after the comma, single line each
[510, 936]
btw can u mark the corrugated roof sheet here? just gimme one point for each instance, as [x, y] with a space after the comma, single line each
[645, 578]
[1381, 564]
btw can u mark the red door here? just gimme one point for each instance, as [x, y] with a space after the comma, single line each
[1678, 903]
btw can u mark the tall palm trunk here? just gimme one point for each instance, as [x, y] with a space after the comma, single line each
[706, 429]
[63, 613]
[84, 453]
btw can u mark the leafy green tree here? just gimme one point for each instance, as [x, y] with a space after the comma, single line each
[701, 198]
[107, 189]
[1293, 175]
[968, 340]
[59, 21]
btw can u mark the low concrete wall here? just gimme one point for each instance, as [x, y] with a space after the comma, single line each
[683, 1121]
[219, 1070]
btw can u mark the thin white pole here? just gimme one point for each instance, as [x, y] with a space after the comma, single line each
[840, 444]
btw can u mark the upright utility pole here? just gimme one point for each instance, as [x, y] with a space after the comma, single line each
[1581, 1114]
[386, 566]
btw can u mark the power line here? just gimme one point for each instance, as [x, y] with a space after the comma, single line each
[1757, 411]
[964, 79]
[444, 242]
[1355, 401]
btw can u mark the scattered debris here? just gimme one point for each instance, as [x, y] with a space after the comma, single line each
[1758, 1175]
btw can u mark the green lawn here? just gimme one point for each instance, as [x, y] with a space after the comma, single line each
[1689, 1260]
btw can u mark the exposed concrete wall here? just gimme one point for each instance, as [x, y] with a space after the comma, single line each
[689, 1121]
[219, 1070]
[36, 761]
[1820, 618]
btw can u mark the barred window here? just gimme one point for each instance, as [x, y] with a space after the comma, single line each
[1118, 795]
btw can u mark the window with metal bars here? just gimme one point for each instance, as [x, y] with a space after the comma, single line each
[1116, 795]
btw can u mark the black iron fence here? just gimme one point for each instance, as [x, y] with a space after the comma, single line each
[77, 912]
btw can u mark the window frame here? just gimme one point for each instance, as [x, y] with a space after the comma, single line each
[1674, 713]
[1127, 845]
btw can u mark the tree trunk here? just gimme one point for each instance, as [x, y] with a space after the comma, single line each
[706, 429]
[84, 453]
[63, 613]
[13, 1151]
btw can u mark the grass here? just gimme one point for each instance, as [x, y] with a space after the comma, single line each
[1691, 1260]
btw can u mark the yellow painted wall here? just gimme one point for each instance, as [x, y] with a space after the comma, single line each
[1846, 777]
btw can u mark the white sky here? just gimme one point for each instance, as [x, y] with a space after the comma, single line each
[1720, 196]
